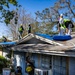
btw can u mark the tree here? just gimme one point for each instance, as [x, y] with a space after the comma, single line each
[49, 16]
[47, 20]
[23, 18]
[6, 13]
[3, 63]
[64, 5]
[45, 15]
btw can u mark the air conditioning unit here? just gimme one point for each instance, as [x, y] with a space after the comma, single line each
[42, 72]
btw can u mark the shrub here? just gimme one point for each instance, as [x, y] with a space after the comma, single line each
[3, 63]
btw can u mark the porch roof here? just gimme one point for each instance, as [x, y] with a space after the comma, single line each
[4, 44]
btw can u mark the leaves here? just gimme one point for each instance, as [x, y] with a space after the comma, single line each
[7, 5]
[66, 7]
[8, 16]
[1, 7]
[14, 2]
[3, 63]
[6, 13]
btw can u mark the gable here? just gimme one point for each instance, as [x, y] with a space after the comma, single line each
[40, 38]
[34, 41]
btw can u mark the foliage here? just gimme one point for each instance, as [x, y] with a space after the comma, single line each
[9, 54]
[48, 20]
[6, 13]
[23, 18]
[42, 27]
[67, 6]
[3, 63]
[1, 40]
[51, 15]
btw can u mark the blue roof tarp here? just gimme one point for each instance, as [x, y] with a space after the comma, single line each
[55, 37]
[62, 37]
[7, 43]
[44, 35]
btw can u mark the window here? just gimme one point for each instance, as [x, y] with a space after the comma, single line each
[46, 61]
[59, 65]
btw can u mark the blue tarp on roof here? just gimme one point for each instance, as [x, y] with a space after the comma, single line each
[7, 43]
[45, 36]
[55, 37]
[62, 37]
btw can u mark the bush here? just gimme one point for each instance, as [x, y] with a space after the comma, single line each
[3, 63]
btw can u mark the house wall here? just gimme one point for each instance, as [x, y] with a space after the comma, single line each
[72, 66]
[37, 60]
[58, 65]
[19, 60]
[42, 62]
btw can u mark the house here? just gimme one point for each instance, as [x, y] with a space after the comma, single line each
[49, 57]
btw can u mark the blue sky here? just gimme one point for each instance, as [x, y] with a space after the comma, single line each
[34, 5]
[3, 30]
[31, 6]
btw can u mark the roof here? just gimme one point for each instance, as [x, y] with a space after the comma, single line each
[42, 47]
[47, 38]
[45, 49]
[69, 42]
[7, 43]
[42, 37]
[64, 48]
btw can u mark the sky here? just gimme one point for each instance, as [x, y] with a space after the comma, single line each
[31, 6]
[36, 5]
